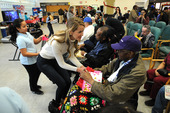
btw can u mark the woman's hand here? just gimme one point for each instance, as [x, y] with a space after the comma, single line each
[156, 73]
[79, 69]
[82, 53]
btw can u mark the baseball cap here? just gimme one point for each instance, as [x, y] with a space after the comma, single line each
[87, 19]
[129, 43]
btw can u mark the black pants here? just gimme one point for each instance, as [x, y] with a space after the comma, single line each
[50, 27]
[56, 74]
[34, 74]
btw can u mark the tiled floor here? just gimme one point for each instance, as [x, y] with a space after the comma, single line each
[13, 75]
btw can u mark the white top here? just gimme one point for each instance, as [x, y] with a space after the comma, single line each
[54, 49]
[88, 32]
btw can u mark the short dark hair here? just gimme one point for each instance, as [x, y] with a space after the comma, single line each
[135, 6]
[105, 15]
[166, 8]
[49, 13]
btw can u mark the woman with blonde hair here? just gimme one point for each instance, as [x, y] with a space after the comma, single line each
[51, 61]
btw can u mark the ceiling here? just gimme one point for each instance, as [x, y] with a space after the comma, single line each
[159, 0]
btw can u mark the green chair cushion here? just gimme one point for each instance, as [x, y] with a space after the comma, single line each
[165, 49]
[145, 55]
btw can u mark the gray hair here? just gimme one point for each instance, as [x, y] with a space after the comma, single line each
[147, 27]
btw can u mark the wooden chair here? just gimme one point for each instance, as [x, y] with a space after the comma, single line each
[149, 54]
[162, 45]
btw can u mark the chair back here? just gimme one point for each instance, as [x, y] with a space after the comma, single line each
[161, 25]
[128, 27]
[156, 32]
[166, 33]
[152, 22]
[135, 28]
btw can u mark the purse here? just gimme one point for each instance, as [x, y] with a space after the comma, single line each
[163, 72]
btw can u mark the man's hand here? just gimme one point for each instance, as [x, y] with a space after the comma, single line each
[86, 76]
[136, 33]
[141, 38]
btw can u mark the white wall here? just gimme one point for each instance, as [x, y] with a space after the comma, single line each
[1, 19]
[129, 4]
[8, 5]
[76, 2]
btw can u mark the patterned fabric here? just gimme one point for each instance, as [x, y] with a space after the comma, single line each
[78, 101]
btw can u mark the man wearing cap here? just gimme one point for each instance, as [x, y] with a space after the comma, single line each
[126, 73]
[88, 31]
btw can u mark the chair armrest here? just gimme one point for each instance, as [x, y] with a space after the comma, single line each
[147, 49]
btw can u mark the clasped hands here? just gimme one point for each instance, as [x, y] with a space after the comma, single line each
[84, 74]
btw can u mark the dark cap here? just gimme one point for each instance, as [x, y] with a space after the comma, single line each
[129, 43]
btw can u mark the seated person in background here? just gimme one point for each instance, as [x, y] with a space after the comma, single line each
[158, 81]
[88, 45]
[88, 31]
[117, 25]
[143, 18]
[99, 19]
[146, 37]
[11, 102]
[160, 101]
[101, 53]
[127, 74]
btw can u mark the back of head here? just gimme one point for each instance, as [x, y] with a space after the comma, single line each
[13, 29]
[134, 7]
[88, 20]
[166, 8]
[70, 9]
[49, 13]
[105, 15]
[108, 33]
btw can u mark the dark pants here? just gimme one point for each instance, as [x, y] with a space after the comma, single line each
[159, 81]
[56, 74]
[50, 27]
[34, 74]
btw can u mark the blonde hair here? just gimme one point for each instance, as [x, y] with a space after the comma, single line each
[64, 36]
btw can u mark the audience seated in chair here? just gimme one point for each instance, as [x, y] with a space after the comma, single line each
[157, 79]
[146, 37]
[127, 74]
[143, 18]
[88, 31]
[101, 53]
[117, 25]
[160, 101]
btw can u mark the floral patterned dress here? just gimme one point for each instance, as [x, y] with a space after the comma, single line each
[78, 101]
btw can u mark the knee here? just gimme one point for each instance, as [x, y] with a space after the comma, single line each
[157, 80]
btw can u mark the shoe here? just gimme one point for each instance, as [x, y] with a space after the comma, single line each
[38, 86]
[38, 92]
[144, 93]
[150, 102]
[53, 107]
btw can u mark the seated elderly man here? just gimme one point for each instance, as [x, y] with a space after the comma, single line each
[146, 37]
[127, 74]
[88, 31]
